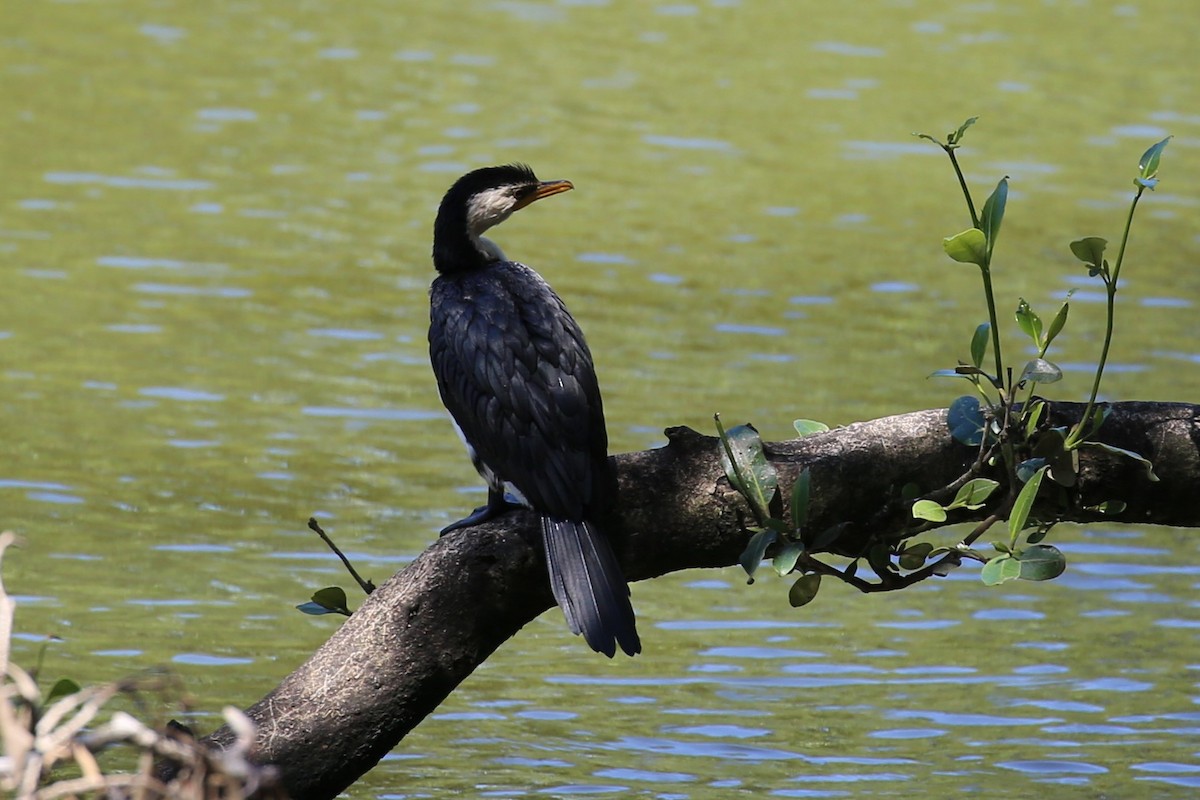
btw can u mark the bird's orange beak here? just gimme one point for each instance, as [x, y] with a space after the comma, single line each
[544, 189]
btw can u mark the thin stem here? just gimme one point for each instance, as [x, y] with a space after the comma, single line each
[1110, 286]
[991, 305]
[987, 274]
[366, 585]
[962, 181]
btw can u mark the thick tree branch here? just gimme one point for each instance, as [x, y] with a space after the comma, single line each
[425, 630]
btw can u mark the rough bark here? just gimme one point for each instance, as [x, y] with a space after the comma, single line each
[425, 630]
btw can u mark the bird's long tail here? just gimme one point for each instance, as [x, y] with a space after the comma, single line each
[589, 586]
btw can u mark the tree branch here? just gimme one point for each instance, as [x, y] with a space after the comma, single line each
[427, 628]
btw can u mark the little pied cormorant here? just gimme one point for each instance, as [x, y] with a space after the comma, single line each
[516, 375]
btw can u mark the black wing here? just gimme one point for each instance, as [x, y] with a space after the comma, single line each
[514, 371]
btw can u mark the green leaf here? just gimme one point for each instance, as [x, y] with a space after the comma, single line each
[330, 600]
[1120, 451]
[979, 343]
[1148, 164]
[965, 419]
[1039, 370]
[1033, 415]
[1041, 562]
[1024, 504]
[61, 688]
[914, 557]
[968, 247]
[1029, 322]
[800, 495]
[993, 215]
[785, 561]
[956, 137]
[928, 509]
[879, 556]
[1064, 468]
[1090, 250]
[804, 589]
[1056, 324]
[807, 427]
[973, 493]
[756, 550]
[315, 609]
[747, 468]
[1027, 468]
[1000, 569]
[952, 373]
[1108, 507]
[1050, 444]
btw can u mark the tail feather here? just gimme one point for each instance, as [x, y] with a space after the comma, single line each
[589, 587]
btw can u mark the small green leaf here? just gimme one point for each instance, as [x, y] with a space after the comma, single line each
[788, 555]
[1039, 370]
[1024, 504]
[315, 609]
[330, 600]
[928, 509]
[804, 589]
[968, 247]
[879, 556]
[800, 495]
[951, 373]
[1029, 322]
[1000, 569]
[979, 343]
[1050, 444]
[1033, 416]
[747, 468]
[973, 493]
[1090, 250]
[61, 688]
[1041, 562]
[756, 550]
[1056, 324]
[1064, 468]
[965, 420]
[1148, 163]
[1108, 507]
[956, 137]
[914, 557]
[1027, 468]
[807, 427]
[1120, 451]
[993, 215]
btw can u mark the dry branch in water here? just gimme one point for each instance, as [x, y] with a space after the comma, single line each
[42, 740]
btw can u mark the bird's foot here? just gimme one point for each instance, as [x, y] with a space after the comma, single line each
[494, 508]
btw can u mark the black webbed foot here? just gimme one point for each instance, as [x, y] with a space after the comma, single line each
[497, 504]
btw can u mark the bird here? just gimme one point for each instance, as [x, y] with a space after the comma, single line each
[515, 373]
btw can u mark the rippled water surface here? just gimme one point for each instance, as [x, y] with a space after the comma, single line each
[214, 232]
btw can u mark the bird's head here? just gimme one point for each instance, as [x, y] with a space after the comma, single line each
[483, 199]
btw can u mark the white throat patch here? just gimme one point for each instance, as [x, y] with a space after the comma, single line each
[486, 210]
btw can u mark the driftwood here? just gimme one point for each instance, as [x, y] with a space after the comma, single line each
[426, 629]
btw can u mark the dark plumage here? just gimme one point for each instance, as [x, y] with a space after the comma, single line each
[514, 371]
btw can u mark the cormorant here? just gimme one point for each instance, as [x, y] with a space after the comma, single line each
[516, 375]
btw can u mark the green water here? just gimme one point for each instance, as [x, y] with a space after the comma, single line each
[214, 229]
